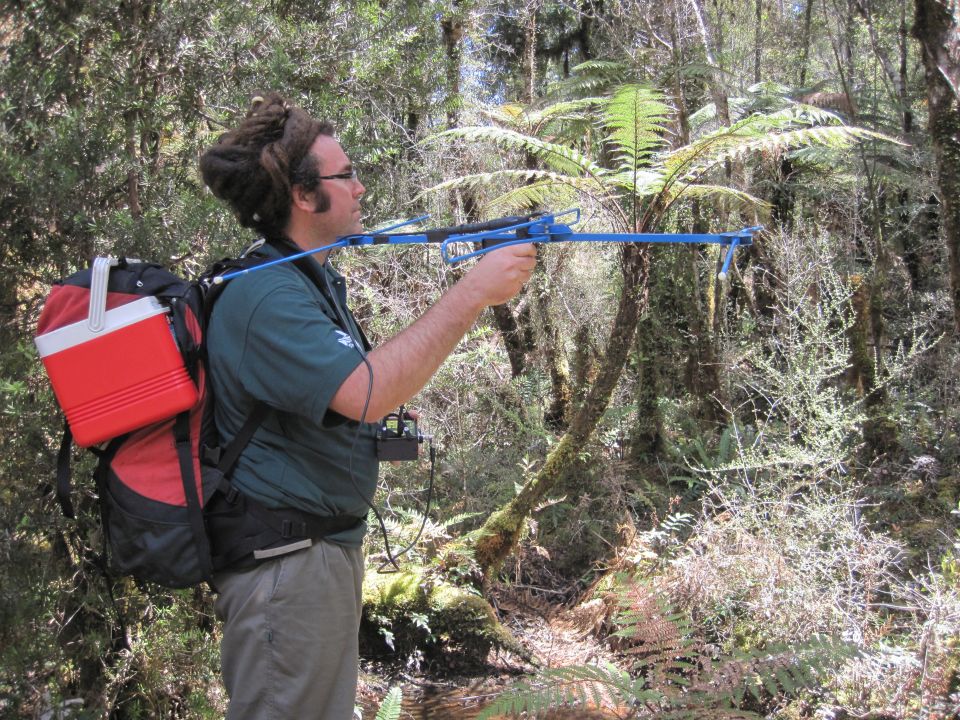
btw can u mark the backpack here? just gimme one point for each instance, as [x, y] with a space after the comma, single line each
[123, 345]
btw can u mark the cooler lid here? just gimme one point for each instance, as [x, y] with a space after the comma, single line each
[79, 332]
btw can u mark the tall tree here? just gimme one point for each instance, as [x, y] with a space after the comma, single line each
[936, 28]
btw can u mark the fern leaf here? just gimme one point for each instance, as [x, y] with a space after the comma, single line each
[719, 194]
[540, 194]
[733, 148]
[558, 157]
[568, 109]
[390, 707]
[458, 518]
[637, 117]
[588, 78]
[533, 188]
[605, 67]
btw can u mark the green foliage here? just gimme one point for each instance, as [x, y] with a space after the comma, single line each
[391, 705]
[412, 618]
[574, 686]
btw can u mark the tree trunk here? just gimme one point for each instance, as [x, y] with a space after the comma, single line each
[905, 72]
[646, 435]
[718, 92]
[558, 414]
[758, 40]
[805, 43]
[530, 52]
[897, 76]
[452, 28]
[936, 28]
[498, 536]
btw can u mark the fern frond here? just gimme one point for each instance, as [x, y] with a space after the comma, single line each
[568, 109]
[775, 671]
[600, 67]
[390, 707]
[756, 126]
[558, 157]
[563, 121]
[458, 518]
[743, 140]
[536, 195]
[832, 137]
[534, 186]
[802, 113]
[589, 78]
[637, 117]
[737, 199]
[696, 711]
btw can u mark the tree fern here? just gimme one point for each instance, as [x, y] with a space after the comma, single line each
[643, 179]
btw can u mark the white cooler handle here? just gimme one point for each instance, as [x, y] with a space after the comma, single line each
[99, 277]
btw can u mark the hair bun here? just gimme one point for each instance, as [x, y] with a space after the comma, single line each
[253, 166]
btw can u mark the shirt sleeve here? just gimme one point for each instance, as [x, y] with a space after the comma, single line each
[293, 356]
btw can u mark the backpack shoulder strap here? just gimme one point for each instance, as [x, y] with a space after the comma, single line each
[184, 446]
[63, 472]
[231, 453]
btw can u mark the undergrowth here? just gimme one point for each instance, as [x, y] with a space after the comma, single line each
[668, 670]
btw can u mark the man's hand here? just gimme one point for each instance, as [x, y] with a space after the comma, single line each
[500, 274]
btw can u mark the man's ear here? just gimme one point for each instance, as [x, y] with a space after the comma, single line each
[303, 199]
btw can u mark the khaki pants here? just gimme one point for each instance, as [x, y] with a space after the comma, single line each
[290, 635]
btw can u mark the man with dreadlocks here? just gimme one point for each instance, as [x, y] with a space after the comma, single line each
[284, 337]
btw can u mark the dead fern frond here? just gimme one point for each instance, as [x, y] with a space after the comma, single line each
[673, 674]
[582, 686]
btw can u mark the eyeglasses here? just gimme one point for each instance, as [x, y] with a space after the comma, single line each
[349, 175]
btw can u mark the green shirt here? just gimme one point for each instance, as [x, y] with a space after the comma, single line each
[271, 338]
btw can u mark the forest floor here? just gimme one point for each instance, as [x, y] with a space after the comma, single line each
[555, 636]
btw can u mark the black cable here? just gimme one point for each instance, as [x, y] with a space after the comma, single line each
[392, 560]
[358, 345]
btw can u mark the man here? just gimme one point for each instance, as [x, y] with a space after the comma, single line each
[284, 337]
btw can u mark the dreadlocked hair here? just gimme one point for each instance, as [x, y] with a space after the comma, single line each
[254, 166]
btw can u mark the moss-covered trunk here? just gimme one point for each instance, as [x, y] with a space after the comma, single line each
[936, 27]
[500, 533]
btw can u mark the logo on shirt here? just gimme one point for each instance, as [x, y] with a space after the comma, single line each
[345, 339]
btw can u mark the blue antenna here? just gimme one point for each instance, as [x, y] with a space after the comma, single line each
[507, 231]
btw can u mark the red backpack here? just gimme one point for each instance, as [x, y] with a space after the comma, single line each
[123, 344]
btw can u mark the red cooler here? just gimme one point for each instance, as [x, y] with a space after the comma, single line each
[122, 376]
